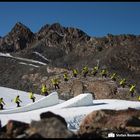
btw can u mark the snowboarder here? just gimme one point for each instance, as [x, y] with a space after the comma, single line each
[1, 103]
[55, 83]
[95, 70]
[65, 77]
[44, 90]
[114, 76]
[85, 71]
[123, 82]
[31, 96]
[132, 90]
[138, 98]
[75, 72]
[17, 101]
[104, 73]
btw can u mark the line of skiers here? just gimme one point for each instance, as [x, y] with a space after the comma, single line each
[17, 100]
[44, 91]
[85, 72]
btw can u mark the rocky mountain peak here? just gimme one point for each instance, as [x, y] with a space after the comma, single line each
[19, 24]
[18, 38]
[20, 29]
[45, 27]
[57, 27]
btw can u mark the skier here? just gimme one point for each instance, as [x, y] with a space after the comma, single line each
[95, 70]
[104, 73]
[123, 82]
[75, 72]
[132, 90]
[31, 96]
[138, 98]
[1, 103]
[44, 90]
[65, 77]
[85, 71]
[17, 101]
[55, 83]
[114, 76]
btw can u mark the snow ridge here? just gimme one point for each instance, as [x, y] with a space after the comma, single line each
[37, 53]
[23, 59]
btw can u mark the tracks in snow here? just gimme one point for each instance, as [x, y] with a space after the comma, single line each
[25, 61]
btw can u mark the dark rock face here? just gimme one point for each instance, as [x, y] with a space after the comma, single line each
[15, 128]
[17, 39]
[56, 36]
[100, 123]
[3, 132]
[48, 115]
[52, 126]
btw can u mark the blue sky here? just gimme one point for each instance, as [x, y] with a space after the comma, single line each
[94, 18]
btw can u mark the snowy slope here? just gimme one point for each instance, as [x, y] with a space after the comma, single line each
[78, 101]
[9, 94]
[72, 114]
[50, 100]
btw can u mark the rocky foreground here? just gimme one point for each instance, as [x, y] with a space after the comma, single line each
[97, 124]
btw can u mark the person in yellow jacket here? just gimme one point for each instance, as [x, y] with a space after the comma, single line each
[114, 76]
[65, 77]
[132, 90]
[31, 96]
[95, 70]
[55, 83]
[104, 73]
[85, 71]
[75, 72]
[44, 90]
[123, 82]
[17, 101]
[138, 98]
[1, 103]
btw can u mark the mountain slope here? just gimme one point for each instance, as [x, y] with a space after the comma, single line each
[65, 47]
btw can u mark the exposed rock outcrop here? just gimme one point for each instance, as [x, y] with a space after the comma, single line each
[52, 126]
[17, 39]
[100, 123]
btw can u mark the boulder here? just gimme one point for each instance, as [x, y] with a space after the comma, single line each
[102, 88]
[49, 114]
[15, 128]
[77, 87]
[100, 123]
[50, 126]
[3, 132]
